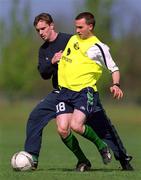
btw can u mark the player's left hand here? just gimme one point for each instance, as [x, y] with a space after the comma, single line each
[116, 91]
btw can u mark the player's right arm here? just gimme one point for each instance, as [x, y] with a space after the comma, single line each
[45, 67]
[56, 58]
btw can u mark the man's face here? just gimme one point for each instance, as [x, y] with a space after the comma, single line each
[82, 29]
[44, 30]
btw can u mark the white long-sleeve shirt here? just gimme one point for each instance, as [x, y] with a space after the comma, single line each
[99, 52]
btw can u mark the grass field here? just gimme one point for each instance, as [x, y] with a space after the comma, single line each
[56, 161]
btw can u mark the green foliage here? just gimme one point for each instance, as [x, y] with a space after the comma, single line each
[101, 10]
[128, 53]
[17, 69]
[104, 83]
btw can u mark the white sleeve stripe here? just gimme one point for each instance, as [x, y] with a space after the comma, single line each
[102, 52]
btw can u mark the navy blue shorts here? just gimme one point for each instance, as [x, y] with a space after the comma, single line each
[84, 100]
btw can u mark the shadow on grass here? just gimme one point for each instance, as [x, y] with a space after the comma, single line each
[73, 170]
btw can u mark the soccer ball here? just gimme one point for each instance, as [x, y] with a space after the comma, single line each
[22, 161]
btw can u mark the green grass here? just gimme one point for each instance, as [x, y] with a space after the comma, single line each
[56, 161]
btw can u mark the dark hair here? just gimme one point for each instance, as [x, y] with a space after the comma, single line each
[44, 17]
[89, 17]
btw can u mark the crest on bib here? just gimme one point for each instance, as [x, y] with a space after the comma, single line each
[76, 46]
[68, 51]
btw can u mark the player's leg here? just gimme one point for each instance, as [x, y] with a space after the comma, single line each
[100, 126]
[38, 119]
[119, 150]
[77, 125]
[63, 126]
[106, 130]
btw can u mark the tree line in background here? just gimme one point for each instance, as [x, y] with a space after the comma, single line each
[19, 53]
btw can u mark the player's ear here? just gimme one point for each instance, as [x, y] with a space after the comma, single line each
[52, 25]
[90, 27]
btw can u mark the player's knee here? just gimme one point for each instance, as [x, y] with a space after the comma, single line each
[63, 132]
[77, 127]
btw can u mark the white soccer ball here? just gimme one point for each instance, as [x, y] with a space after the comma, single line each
[22, 161]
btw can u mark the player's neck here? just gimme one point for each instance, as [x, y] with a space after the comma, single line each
[53, 36]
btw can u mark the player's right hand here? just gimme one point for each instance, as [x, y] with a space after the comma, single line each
[56, 58]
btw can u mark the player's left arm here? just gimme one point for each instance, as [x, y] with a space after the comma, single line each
[115, 88]
[101, 55]
[113, 68]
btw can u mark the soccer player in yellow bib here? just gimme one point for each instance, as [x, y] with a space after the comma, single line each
[79, 70]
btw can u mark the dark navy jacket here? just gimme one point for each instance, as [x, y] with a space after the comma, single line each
[46, 52]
